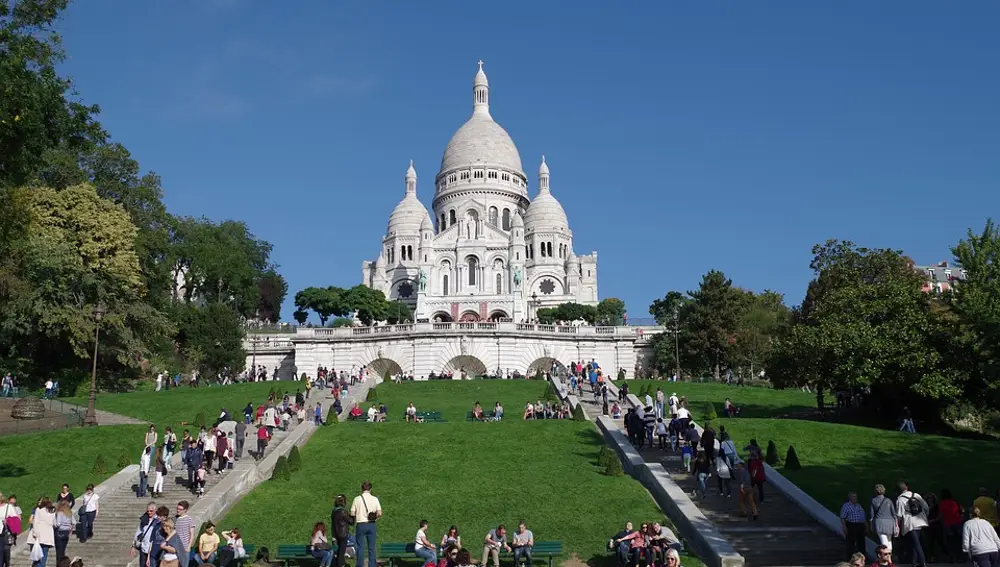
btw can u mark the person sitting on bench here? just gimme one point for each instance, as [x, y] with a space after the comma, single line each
[411, 413]
[495, 540]
[524, 540]
[355, 412]
[423, 548]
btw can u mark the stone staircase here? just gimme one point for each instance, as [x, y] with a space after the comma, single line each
[120, 511]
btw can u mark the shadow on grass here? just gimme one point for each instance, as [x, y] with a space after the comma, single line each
[8, 470]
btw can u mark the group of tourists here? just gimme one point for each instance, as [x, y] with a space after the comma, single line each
[652, 545]
[164, 541]
[50, 525]
[925, 528]
[546, 410]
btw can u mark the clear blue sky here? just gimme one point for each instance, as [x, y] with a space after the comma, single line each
[682, 136]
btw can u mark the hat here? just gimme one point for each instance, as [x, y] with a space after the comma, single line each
[674, 394]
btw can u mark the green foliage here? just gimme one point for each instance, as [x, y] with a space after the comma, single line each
[792, 460]
[304, 377]
[215, 332]
[664, 310]
[550, 393]
[271, 394]
[372, 395]
[578, 413]
[367, 304]
[281, 470]
[123, 459]
[567, 312]
[294, 459]
[331, 416]
[272, 289]
[771, 457]
[605, 456]
[339, 322]
[614, 468]
[199, 420]
[611, 312]
[101, 465]
[710, 413]
[300, 315]
[399, 312]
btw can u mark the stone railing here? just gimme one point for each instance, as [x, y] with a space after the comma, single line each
[470, 328]
[265, 345]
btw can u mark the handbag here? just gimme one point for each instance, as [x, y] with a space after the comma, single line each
[169, 563]
[322, 546]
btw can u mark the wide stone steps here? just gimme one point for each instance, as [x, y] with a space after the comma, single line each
[120, 512]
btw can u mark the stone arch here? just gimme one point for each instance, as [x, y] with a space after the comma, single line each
[498, 314]
[470, 364]
[441, 317]
[384, 368]
[469, 317]
[546, 364]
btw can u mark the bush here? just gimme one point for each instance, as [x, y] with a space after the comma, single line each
[123, 460]
[100, 465]
[792, 460]
[605, 456]
[550, 393]
[771, 457]
[294, 459]
[372, 395]
[614, 468]
[304, 377]
[331, 416]
[710, 411]
[199, 420]
[281, 471]
[578, 414]
[271, 394]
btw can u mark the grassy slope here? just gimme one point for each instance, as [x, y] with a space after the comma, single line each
[38, 464]
[183, 404]
[753, 402]
[474, 475]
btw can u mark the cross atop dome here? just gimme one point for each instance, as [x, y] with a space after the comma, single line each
[481, 92]
[480, 64]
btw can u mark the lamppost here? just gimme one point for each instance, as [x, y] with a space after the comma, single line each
[253, 358]
[91, 417]
[677, 344]
[535, 304]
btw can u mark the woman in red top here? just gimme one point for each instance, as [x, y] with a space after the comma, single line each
[951, 514]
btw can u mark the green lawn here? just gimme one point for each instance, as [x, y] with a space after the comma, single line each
[179, 405]
[454, 398]
[753, 401]
[474, 475]
[37, 464]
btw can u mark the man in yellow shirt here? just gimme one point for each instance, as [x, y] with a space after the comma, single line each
[365, 510]
[987, 507]
[208, 544]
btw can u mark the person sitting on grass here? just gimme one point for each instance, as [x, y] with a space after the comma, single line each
[664, 537]
[411, 413]
[495, 540]
[383, 413]
[477, 412]
[452, 538]
[524, 540]
[319, 545]
[423, 548]
[539, 410]
[497, 411]
[529, 410]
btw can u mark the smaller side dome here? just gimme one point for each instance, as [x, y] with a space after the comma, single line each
[409, 214]
[545, 213]
[427, 224]
[517, 222]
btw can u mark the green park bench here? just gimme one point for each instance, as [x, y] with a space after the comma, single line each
[297, 554]
[545, 550]
[427, 416]
[486, 414]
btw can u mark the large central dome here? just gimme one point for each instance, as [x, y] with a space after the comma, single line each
[481, 141]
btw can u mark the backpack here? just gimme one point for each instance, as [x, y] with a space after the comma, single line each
[913, 506]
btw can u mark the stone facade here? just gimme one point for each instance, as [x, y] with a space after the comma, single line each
[477, 348]
[488, 253]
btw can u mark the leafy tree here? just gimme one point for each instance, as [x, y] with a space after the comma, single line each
[369, 305]
[663, 310]
[567, 312]
[976, 338]
[272, 289]
[341, 322]
[372, 395]
[398, 312]
[300, 316]
[611, 312]
[199, 420]
[713, 319]
[324, 301]
[605, 456]
[546, 315]
[215, 331]
[763, 319]
[331, 416]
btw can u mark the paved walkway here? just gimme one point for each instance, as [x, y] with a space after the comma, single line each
[783, 534]
[103, 417]
[121, 509]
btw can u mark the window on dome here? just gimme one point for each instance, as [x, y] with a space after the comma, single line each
[444, 285]
[465, 175]
[451, 217]
[499, 284]
[506, 219]
[494, 214]
[473, 268]
[505, 177]
[492, 175]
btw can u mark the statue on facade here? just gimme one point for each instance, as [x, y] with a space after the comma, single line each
[517, 277]
[422, 280]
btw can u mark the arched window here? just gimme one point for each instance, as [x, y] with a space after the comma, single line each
[444, 284]
[494, 215]
[550, 249]
[409, 252]
[506, 219]
[499, 284]
[473, 268]
[541, 249]
[402, 253]
[444, 223]
[451, 217]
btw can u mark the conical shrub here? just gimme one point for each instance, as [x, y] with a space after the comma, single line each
[614, 468]
[123, 460]
[578, 414]
[331, 416]
[605, 456]
[792, 460]
[100, 465]
[372, 395]
[710, 413]
[771, 457]
[199, 420]
[550, 393]
[271, 394]
[294, 459]
[281, 471]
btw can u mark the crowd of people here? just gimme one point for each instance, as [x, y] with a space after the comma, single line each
[546, 410]
[652, 545]
[50, 525]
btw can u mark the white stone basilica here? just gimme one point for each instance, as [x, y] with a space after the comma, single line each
[489, 252]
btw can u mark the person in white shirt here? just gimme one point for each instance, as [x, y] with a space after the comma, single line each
[89, 511]
[411, 413]
[372, 413]
[144, 462]
[423, 548]
[159, 381]
[911, 510]
[672, 402]
[365, 510]
[980, 541]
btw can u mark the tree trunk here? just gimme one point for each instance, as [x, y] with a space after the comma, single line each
[716, 373]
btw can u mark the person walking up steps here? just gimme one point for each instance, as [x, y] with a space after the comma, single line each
[366, 510]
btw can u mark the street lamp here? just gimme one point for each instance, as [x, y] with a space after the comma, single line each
[677, 344]
[535, 304]
[253, 358]
[91, 417]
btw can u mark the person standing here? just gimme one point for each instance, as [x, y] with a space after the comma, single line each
[340, 526]
[184, 524]
[911, 511]
[241, 437]
[852, 521]
[883, 518]
[89, 510]
[980, 541]
[142, 541]
[365, 510]
[64, 527]
[43, 529]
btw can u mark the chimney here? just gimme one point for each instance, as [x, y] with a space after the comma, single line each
[943, 264]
